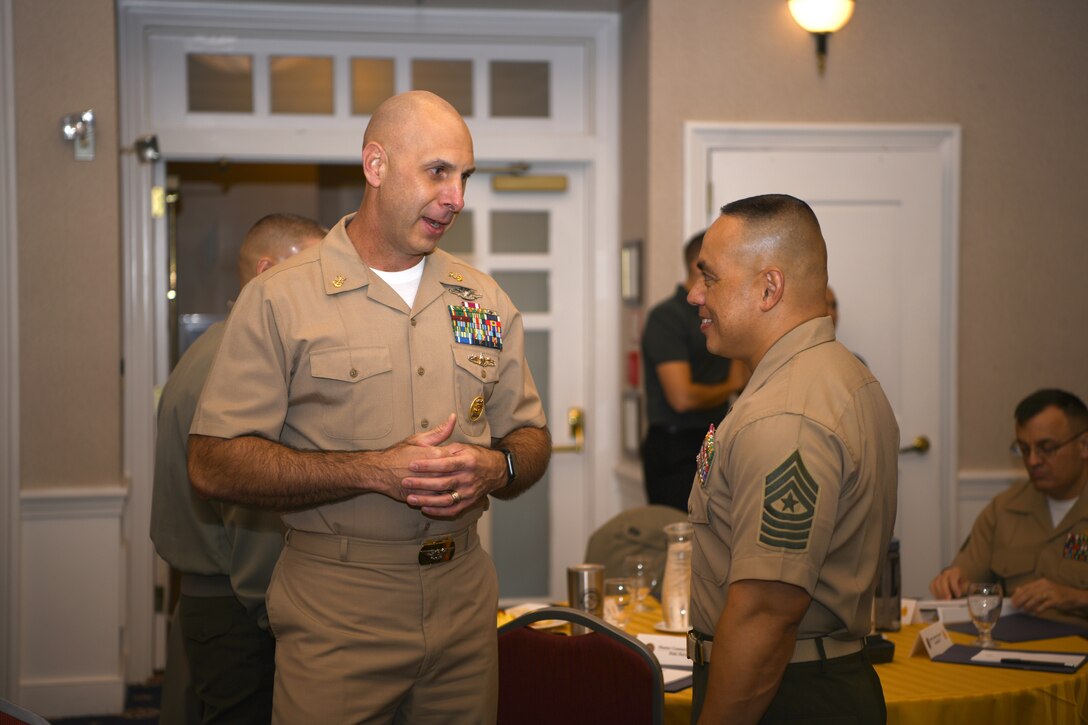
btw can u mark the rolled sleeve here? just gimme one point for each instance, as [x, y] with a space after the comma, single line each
[247, 389]
[788, 472]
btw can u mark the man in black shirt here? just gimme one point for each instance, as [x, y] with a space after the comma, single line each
[687, 390]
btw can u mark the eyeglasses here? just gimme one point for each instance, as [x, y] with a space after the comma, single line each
[1044, 450]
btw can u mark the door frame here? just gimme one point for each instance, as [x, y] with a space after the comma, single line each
[598, 33]
[10, 479]
[701, 139]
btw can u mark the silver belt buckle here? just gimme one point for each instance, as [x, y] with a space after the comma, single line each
[697, 649]
[436, 551]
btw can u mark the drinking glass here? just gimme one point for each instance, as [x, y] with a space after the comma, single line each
[984, 604]
[618, 601]
[639, 570]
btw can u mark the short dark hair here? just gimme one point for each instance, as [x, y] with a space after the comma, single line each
[768, 206]
[1040, 400]
[692, 248]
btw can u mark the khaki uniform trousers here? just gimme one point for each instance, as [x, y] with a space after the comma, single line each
[367, 634]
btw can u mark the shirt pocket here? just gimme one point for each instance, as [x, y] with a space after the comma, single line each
[709, 566]
[475, 372]
[354, 386]
[1014, 565]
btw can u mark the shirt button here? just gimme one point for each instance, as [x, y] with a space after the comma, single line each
[354, 373]
[424, 423]
[483, 374]
[419, 371]
[413, 322]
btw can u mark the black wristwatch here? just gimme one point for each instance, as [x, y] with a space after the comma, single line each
[511, 469]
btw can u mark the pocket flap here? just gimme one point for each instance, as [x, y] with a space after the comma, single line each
[350, 364]
[481, 363]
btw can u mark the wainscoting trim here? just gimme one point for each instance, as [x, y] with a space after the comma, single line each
[71, 600]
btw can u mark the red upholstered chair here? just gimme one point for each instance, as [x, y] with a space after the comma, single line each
[12, 714]
[606, 676]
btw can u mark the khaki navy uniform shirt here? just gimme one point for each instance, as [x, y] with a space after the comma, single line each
[1014, 541]
[321, 354]
[798, 485]
[194, 535]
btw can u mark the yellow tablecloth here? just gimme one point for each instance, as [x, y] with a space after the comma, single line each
[921, 692]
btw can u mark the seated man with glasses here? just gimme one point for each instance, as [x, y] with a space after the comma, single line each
[1034, 537]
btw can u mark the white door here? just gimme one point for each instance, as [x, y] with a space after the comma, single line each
[535, 245]
[887, 210]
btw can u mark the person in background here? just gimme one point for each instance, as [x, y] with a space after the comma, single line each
[375, 389]
[224, 553]
[794, 502]
[1033, 537]
[687, 389]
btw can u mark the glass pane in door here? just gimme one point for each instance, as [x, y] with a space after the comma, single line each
[371, 83]
[519, 232]
[219, 83]
[451, 79]
[301, 84]
[528, 290]
[519, 528]
[520, 89]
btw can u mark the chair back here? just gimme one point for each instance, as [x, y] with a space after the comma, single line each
[639, 530]
[606, 676]
[12, 714]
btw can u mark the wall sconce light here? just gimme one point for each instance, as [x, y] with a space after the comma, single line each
[821, 18]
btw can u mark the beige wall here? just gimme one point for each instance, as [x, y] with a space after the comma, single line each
[68, 246]
[1010, 72]
[1005, 70]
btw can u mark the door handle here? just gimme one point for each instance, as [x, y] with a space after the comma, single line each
[576, 421]
[919, 446]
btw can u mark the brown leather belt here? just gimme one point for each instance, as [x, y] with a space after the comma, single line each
[435, 550]
[804, 650]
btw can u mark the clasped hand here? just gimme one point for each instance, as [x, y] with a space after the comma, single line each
[444, 480]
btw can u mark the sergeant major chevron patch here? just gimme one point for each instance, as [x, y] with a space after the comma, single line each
[789, 505]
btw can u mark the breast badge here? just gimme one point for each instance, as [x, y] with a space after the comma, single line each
[476, 409]
[705, 457]
[465, 293]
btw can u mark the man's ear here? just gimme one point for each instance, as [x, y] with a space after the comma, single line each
[773, 282]
[374, 163]
[264, 263]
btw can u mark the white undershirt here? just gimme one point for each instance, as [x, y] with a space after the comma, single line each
[405, 283]
[1058, 509]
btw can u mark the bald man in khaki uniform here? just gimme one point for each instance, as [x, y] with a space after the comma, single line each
[794, 499]
[376, 388]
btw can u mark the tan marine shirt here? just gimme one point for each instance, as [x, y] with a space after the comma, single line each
[1014, 541]
[799, 485]
[320, 354]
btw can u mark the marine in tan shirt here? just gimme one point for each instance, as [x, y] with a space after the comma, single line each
[1033, 538]
[375, 389]
[794, 499]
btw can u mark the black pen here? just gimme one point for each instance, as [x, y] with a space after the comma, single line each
[1037, 663]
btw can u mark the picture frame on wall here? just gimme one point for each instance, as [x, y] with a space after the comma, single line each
[631, 272]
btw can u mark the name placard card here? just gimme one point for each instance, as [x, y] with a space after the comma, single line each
[931, 641]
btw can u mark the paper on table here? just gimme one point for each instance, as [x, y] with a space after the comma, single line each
[672, 675]
[670, 651]
[1015, 657]
[953, 614]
